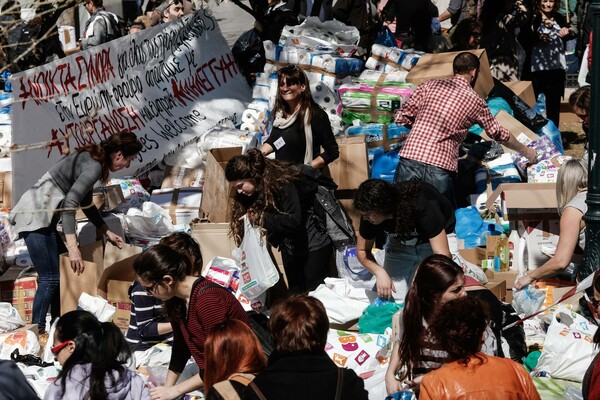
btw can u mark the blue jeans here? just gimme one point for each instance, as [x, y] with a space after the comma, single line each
[401, 262]
[44, 246]
[441, 179]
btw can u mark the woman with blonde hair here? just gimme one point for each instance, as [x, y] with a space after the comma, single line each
[571, 192]
[233, 357]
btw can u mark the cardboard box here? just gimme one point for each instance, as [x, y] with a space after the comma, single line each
[498, 287]
[118, 296]
[183, 203]
[523, 89]
[177, 177]
[439, 66]
[216, 203]
[539, 233]
[5, 189]
[20, 293]
[517, 129]
[214, 240]
[96, 259]
[105, 198]
[526, 201]
[352, 167]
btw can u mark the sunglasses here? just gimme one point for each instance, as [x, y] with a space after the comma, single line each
[56, 349]
[595, 302]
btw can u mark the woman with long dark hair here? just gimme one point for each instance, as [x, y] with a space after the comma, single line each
[193, 305]
[300, 127]
[93, 356]
[459, 327]
[57, 196]
[272, 195]
[414, 217]
[233, 357]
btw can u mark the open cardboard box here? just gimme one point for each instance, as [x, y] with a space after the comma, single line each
[183, 203]
[439, 66]
[525, 201]
[523, 89]
[217, 191]
[352, 166]
[96, 259]
[517, 129]
[177, 177]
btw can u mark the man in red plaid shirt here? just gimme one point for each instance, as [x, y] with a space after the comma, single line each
[439, 113]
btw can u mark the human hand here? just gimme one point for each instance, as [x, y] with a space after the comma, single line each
[76, 261]
[385, 286]
[163, 393]
[115, 239]
[415, 382]
[523, 282]
[563, 32]
[531, 154]
[392, 384]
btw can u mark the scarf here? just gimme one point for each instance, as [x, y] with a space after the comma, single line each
[284, 123]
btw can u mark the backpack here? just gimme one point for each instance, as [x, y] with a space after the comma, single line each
[227, 390]
[115, 26]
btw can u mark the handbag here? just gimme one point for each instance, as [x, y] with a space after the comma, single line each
[257, 270]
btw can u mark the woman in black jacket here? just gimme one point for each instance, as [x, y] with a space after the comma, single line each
[274, 197]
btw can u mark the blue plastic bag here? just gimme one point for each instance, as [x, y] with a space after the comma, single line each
[385, 37]
[385, 164]
[553, 133]
[495, 104]
[469, 225]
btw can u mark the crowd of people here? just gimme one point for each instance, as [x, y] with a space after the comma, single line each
[450, 335]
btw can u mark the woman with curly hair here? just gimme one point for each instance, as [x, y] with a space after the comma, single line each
[459, 327]
[274, 197]
[414, 217]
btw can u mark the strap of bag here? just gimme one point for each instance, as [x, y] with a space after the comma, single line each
[340, 382]
[226, 390]
[244, 379]
[257, 391]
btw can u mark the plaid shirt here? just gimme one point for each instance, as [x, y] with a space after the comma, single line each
[440, 112]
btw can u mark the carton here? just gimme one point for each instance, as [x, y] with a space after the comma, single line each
[5, 189]
[183, 203]
[216, 203]
[498, 287]
[214, 240]
[517, 129]
[439, 66]
[539, 233]
[19, 291]
[523, 89]
[96, 259]
[177, 177]
[525, 201]
[352, 167]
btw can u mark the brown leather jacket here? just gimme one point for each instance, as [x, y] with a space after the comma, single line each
[496, 379]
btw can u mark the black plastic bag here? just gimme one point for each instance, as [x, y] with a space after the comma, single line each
[523, 113]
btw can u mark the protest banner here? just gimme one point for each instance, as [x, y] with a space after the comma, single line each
[168, 84]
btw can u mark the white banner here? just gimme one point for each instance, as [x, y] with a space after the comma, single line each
[168, 84]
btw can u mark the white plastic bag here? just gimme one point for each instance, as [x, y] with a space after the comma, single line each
[26, 341]
[10, 319]
[568, 349]
[258, 272]
[528, 300]
[152, 221]
[97, 306]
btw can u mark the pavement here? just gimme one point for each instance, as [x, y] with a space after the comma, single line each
[232, 20]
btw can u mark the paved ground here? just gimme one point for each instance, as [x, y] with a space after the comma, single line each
[232, 20]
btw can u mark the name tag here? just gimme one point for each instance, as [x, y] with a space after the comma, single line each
[279, 143]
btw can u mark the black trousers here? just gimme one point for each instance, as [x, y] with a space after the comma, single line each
[304, 273]
[552, 84]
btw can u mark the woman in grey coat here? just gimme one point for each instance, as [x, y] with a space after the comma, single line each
[56, 196]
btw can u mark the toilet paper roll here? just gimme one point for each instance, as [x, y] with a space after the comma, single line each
[271, 52]
[251, 116]
[261, 92]
[248, 126]
[380, 66]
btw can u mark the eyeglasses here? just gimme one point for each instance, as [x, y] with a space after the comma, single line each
[150, 289]
[56, 349]
[595, 302]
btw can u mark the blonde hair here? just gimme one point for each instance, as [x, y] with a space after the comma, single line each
[572, 179]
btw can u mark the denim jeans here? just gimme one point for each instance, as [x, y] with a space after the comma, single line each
[401, 262]
[44, 246]
[441, 179]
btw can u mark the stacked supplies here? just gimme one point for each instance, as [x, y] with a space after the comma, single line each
[370, 100]
[329, 36]
[390, 59]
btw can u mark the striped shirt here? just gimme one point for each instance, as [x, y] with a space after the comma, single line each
[208, 307]
[440, 112]
[146, 314]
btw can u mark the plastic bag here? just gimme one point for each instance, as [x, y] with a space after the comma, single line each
[350, 268]
[385, 164]
[378, 316]
[469, 225]
[550, 130]
[528, 300]
[258, 272]
[568, 349]
[26, 341]
[152, 221]
[97, 306]
[133, 192]
[10, 319]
